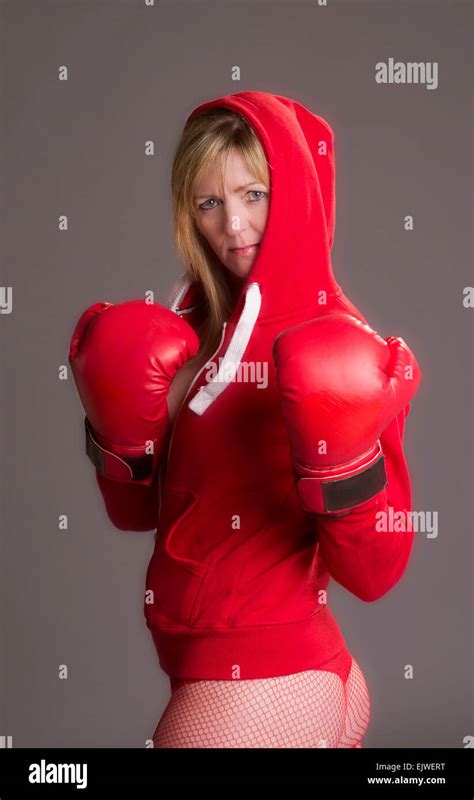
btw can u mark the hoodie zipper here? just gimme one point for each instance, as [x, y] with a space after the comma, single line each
[191, 386]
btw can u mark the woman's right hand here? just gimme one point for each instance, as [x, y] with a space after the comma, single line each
[123, 358]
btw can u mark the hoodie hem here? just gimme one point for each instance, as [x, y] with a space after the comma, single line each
[258, 651]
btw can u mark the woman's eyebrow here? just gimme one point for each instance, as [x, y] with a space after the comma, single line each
[238, 189]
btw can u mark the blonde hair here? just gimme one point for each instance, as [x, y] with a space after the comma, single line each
[207, 139]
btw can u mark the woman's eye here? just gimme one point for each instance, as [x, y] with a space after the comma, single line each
[256, 191]
[205, 207]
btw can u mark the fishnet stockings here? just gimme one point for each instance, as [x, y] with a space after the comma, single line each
[328, 707]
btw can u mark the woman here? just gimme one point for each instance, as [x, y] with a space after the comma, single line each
[276, 418]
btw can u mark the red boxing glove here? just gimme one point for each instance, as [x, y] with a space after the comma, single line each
[341, 385]
[123, 358]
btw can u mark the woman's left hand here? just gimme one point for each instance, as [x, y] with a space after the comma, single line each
[341, 385]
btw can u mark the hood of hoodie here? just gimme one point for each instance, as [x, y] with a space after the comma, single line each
[293, 262]
[292, 269]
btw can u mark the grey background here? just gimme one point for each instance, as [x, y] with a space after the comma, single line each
[75, 597]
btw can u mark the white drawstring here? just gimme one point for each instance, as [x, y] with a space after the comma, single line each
[233, 355]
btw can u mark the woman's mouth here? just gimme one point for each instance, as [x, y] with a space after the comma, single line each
[245, 251]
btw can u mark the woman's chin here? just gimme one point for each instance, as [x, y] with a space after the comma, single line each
[240, 270]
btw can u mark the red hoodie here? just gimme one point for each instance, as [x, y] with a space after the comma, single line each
[236, 586]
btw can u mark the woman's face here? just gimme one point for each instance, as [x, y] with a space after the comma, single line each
[236, 219]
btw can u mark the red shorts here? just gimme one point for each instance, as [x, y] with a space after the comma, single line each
[340, 664]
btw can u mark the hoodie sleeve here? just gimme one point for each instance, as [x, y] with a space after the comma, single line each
[362, 554]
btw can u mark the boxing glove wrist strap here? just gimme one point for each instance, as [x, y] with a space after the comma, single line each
[341, 489]
[132, 465]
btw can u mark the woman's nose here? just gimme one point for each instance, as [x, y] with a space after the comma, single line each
[235, 219]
